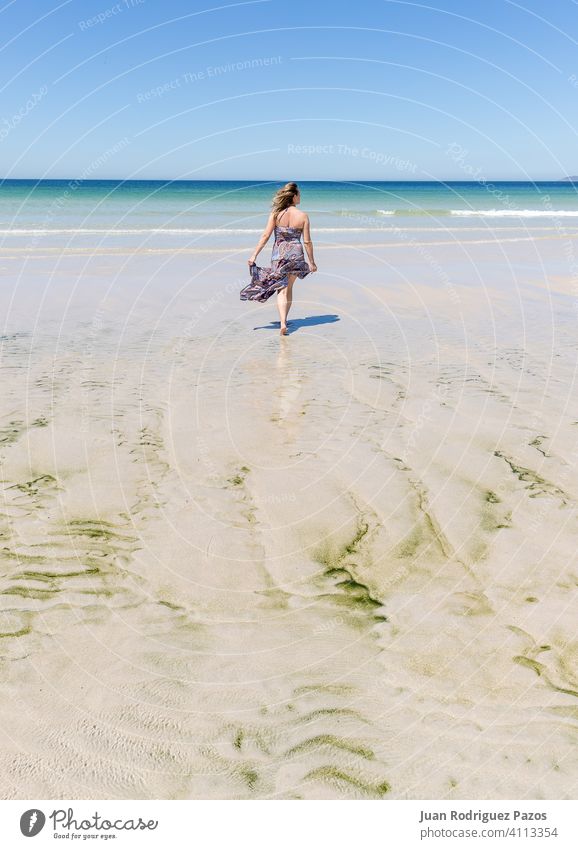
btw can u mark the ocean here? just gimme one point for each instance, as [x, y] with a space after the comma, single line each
[193, 210]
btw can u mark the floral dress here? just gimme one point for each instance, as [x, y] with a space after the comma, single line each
[287, 258]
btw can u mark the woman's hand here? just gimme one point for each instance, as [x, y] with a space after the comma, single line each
[312, 267]
[251, 261]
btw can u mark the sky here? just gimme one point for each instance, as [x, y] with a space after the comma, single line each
[289, 89]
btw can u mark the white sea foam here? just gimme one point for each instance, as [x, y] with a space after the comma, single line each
[141, 231]
[516, 213]
[145, 232]
[164, 231]
[482, 213]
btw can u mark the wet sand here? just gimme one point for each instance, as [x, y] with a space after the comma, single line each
[336, 565]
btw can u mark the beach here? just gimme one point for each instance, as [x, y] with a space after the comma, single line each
[340, 564]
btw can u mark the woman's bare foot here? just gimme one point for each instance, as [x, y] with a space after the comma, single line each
[283, 331]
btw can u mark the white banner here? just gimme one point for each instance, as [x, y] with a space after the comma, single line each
[279, 824]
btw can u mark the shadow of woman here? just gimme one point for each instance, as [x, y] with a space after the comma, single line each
[297, 323]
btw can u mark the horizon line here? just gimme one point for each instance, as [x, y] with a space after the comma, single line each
[263, 180]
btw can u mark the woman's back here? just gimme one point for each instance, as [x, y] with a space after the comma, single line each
[291, 217]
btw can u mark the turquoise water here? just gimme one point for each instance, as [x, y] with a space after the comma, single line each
[68, 207]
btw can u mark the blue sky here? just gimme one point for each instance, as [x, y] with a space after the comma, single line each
[289, 89]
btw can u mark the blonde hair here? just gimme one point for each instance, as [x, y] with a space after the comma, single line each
[284, 198]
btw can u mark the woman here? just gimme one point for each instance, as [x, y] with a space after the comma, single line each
[287, 259]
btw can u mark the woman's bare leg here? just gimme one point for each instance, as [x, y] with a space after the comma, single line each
[284, 301]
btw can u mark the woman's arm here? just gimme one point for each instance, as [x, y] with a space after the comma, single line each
[264, 239]
[308, 244]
